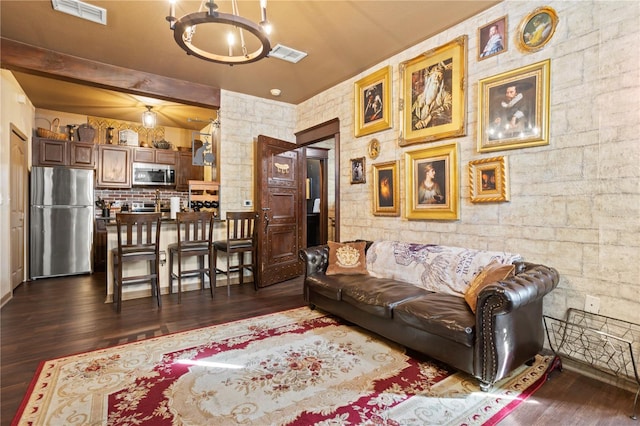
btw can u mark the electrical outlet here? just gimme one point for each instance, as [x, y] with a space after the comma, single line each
[592, 304]
[247, 203]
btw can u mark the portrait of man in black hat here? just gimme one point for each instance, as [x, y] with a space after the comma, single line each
[512, 110]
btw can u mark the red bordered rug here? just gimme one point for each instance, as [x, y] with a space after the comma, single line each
[298, 367]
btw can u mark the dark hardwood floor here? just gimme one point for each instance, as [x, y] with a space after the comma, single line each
[55, 317]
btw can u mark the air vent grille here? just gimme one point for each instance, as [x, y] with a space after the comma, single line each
[286, 53]
[81, 10]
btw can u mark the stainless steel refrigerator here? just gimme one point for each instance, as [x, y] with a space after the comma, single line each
[61, 221]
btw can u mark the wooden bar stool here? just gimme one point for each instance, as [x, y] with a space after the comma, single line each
[195, 234]
[138, 241]
[241, 239]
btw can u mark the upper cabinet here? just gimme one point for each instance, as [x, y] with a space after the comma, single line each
[153, 155]
[82, 155]
[51, 152]
[114, 166]
[186, 171]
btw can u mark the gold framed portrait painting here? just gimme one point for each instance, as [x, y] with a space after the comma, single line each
[488, 180]
[536, 29]
[386, 192]
[514, 109]
[433, 94]
[432, 183]
[373, 103]
[493, 38]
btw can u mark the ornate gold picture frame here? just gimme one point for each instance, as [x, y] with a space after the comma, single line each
[489, 180]
[386, 191]
[432, 183]
[373, 103]
[536, 29]
[493, 38]
[514, 109]
[433, 94]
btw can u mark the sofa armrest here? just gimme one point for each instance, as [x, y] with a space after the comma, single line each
[509, 321]
[530, 284]
[316, 259]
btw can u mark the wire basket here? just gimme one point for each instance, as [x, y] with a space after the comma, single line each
[50, 133]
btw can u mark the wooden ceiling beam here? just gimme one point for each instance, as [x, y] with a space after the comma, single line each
[30, 59]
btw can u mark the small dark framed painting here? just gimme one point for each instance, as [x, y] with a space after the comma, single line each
[488, 180]
[358, 172]
[385, 189]
[492, 38]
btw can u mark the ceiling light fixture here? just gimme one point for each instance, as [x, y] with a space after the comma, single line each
[149, 118]
[223, 51]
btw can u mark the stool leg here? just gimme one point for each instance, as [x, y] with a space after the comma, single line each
[213, 270]
[119, 278]
[228, 274]
[156, 281]
[170, 271]
[179, 278]
[201, 269]
[241, 267]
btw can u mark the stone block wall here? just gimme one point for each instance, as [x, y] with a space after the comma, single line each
[243, 118]
[575, 204]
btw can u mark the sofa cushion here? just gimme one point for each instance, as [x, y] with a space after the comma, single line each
[437, 268]
[489, 275]
[442, 314]
[379, 296]
[331, 285]
[346, 258]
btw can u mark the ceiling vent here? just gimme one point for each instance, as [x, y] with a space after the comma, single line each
[286, 53]
[81, 10]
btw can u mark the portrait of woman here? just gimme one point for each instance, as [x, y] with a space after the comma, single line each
[431, 187]
[432, 179]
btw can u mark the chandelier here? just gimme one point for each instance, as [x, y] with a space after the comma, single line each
[218, 41]
[149, 118]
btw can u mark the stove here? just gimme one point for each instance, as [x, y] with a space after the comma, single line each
[147, 207]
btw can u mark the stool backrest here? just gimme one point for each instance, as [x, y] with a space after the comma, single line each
[194, 228]
[140, 230]
[241, 226]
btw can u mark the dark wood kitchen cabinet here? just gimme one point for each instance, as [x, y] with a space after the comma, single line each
[186, 171]
[82, 155]
[153, 155]
[114, 166]
[51, 152]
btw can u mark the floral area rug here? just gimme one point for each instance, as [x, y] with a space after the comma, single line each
[297, 367]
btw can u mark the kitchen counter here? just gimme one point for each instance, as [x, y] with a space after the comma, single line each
[168, 235]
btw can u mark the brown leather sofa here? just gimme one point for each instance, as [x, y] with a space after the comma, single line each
[506, 331]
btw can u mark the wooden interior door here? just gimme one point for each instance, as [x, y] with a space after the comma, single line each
[278, 196]
[18, 193]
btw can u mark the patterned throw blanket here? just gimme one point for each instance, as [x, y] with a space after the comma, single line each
[441, 269]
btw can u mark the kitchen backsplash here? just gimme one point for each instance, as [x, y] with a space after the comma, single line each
[119, 197]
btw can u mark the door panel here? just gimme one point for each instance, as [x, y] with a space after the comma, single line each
[18, 191]
[278, 188]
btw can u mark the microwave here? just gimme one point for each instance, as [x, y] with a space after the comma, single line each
[145, 174]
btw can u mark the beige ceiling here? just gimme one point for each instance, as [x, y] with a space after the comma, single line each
[341, 38]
